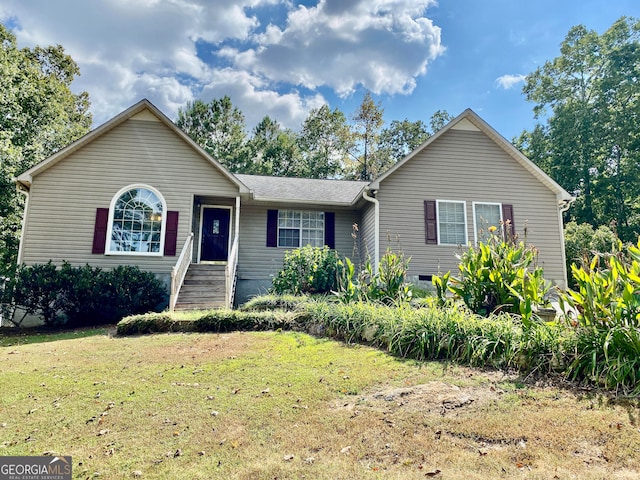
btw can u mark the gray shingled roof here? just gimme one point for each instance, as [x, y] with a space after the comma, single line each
[303, 190]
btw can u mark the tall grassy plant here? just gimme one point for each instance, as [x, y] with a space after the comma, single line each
[606, 303]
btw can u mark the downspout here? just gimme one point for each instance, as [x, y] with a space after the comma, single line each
[376, 256]
[563, 207]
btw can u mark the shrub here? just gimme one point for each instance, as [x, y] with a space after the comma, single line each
[211, 321]
[34, 290]
[606, 303]
[85, 295]
[308, 270]
[498, 276]
[127, 290]
[582, 243]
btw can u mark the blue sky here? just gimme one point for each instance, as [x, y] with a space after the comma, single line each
[281, 58]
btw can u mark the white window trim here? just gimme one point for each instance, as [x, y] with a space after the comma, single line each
[324, 226]
[475, 224]
[163, 227]
[466, 233]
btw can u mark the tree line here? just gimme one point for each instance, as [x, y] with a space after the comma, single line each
[586, 103]
[327, 145]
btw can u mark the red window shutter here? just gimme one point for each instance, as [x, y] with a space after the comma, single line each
[330, 229]
[171, 234]
[430, 222]
[100, 231]
[507, 218]
[272, 228]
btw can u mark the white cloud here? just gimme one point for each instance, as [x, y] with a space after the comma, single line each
[382, 45]
[128, 50]
[509, 81]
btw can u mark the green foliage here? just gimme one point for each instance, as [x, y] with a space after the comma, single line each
[325, 142]
[582, 243]
[73, 296]
[211, 321]
[308, 270]
[588, 96]
[273, 150]
[388, 285]
[498, 276]
[452, 334]
[274, 302]
[39, 115]
[219, 128]
[606, 303]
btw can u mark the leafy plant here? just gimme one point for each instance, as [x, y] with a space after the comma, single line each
[308, 270]
[606, 304]
[81, 295]
[498, 276]
[388, 285]
[582, 242]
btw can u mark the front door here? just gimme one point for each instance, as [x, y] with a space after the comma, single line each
[215, 234]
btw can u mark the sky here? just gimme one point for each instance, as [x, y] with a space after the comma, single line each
[283, 58]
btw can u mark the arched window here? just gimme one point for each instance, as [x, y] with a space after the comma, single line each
[137, 219]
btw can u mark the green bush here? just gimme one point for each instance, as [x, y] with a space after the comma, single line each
[606, 304]
[217, 321]
[73, 296]
[498, 276]
[308, 270]
[581, 243]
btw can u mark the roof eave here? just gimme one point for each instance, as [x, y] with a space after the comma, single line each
[306, 202]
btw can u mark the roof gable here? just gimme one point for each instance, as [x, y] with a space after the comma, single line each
[470, 121]
[143, 110]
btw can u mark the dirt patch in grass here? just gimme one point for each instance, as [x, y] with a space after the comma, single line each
[288, 405]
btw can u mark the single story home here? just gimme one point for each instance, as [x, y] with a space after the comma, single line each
[138, 191]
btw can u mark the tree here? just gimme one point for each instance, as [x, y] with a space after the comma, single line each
[439, 119]
[589, 143]
[39, 115]
[368, 121]
[325, 142]
[401, 138]
[219, 128]
[274, 151]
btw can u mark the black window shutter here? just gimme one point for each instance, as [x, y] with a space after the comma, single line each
[171, 234]
[430, 222]
[330, 229]
[507, 218]
[100, 231]
[272, 228]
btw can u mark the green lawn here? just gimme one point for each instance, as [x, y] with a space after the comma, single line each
[288, 405]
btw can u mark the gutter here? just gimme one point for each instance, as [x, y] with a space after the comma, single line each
[376, 256]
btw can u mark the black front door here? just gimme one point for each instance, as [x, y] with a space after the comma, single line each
[215, 234]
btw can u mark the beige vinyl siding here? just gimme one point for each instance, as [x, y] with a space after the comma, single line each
[64, 198]
[367, 232]
[256, 261]
[467, 166]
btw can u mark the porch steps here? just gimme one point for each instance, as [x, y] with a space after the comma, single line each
[203, 288]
